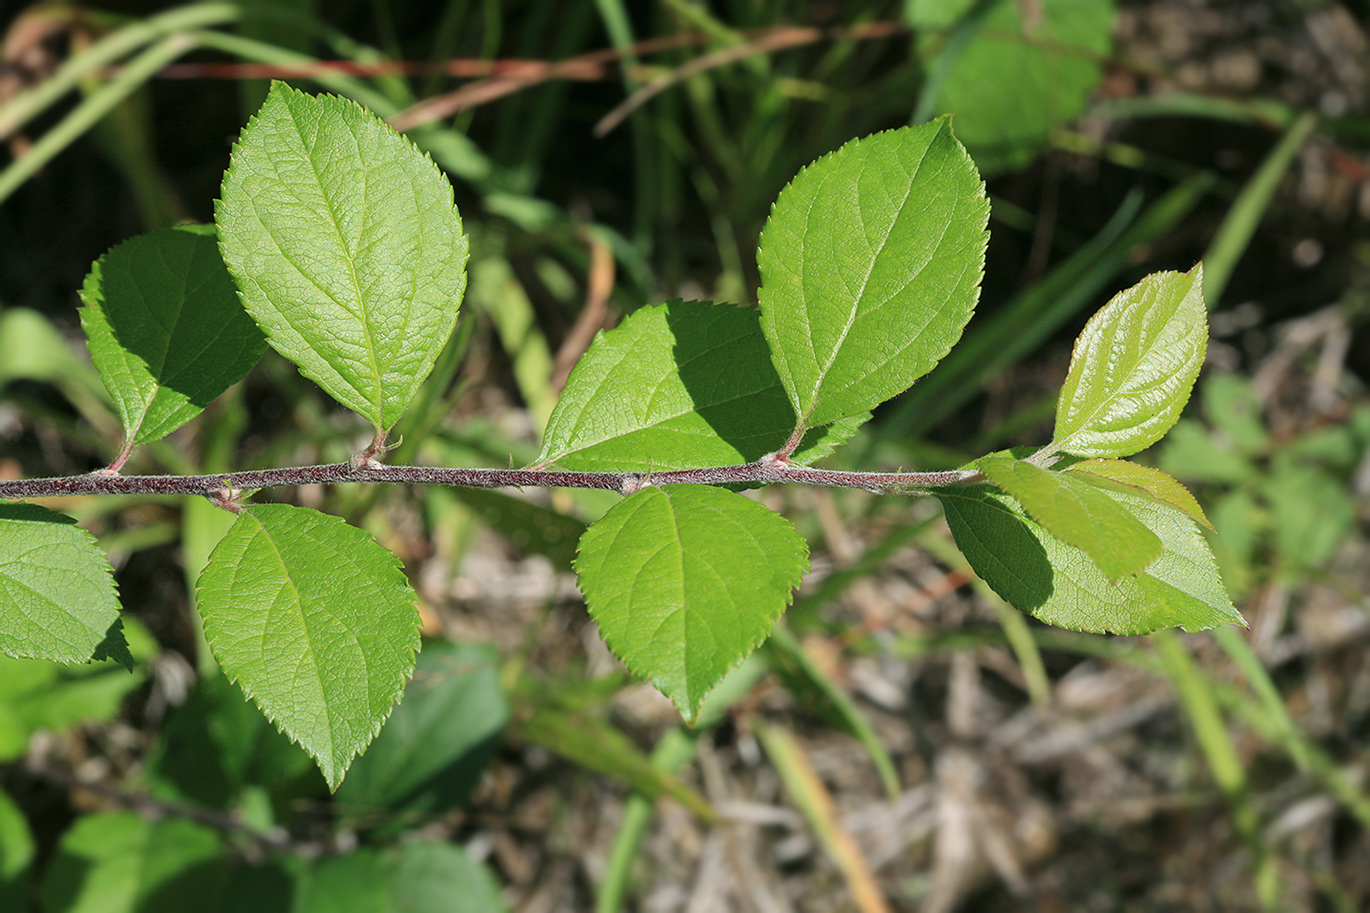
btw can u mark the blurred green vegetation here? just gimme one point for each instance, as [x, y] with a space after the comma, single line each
[609, 155]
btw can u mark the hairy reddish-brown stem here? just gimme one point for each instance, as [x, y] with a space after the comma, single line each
[768, 469]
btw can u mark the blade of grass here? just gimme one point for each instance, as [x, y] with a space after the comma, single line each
[597, 746]
[119, 43]
[1196, 697]
[957, 39]
[1242, 219]
[674, 751]
[816, 805]
[1267, 695]
[792, 650]
[95, 106]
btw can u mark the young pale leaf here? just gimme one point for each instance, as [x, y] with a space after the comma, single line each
[685, 581]
[1133, 367]
[165, 328]
[1159, 485]
[316, 622]
[1077, 513]
[683, 385]
[57, 598]
[1056, 583]
[346, 247]
[870, 265]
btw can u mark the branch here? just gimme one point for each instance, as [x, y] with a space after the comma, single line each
[768, 469]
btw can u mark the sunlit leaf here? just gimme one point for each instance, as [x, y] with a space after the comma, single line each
[57, 598]
[1154, 482]
[683, 385]
[1077, 513]
[346, 247]
[870, 265]
[316, 623]
[1041, 576]
[685, 581]
[1133, 367]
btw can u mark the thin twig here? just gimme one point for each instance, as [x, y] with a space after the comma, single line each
[768, 469]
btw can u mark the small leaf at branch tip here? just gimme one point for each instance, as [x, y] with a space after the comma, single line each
[1133, 367]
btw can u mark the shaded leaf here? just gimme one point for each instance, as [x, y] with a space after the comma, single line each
[682, 385]
[415, 877]
[871, 264]
[1056, 583]
[1159, 485]
[1077, 513]
[435, 746]
[165, 328]
[685, 581]
[122, 862]
[39, 694]
[57, 598]
[346, 247]
[17, 849]
[1133, 367]
[316, 623]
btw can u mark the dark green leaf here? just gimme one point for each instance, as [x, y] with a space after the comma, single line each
[122, 862]
[166, 329]
[435, 746]
[1028, 69]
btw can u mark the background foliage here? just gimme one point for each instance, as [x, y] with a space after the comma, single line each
[523, 768]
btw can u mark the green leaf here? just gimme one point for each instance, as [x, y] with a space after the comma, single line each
[122, 862]
[216, 746]
[165, 328]
[1056, 583]
[871, 265]
[346, 247]
[683, 385]
[39, 694]
[1028, 69]
[57, 598]
[316, 622]
[1146, 479]
[1077, 513]
[433, 750]
[685, 581]
[411, 878]
[1133, 367]
[1192, 453]
[17, 850]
